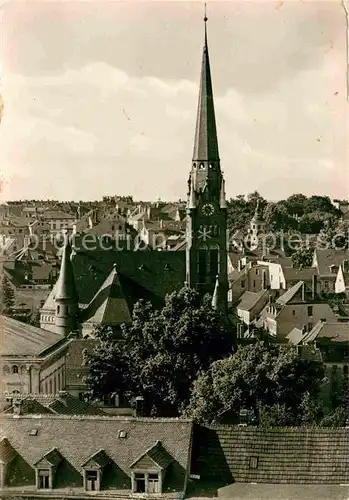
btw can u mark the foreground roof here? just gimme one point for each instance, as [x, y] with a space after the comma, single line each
[79, 438]
[291, 455]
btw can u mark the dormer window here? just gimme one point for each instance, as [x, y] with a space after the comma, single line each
[93, 470]
[45, 469]
[148, 471]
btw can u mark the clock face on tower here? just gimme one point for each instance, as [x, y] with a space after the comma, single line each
[207, 209]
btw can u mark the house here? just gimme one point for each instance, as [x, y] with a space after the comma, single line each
[332, 340]
[58, 221]
[327, 263]
[251, 304]
[99, 456]
[299, 307]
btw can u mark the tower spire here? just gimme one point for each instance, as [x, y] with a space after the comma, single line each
[206, 143]
[66, 296]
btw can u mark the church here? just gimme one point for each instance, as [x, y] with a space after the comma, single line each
[100, 287]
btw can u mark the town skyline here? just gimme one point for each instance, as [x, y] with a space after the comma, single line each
[280, 107]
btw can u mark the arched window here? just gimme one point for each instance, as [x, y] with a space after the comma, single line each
[50, 386]
[202, 264]
[213, 262]
[14, 369]
[58, 309]
[202, 166]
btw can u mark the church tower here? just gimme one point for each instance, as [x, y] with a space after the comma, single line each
[257, 227]
[206, 248]
[66, 297]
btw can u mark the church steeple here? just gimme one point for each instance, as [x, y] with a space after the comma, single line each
[206, 247]
[206, 143]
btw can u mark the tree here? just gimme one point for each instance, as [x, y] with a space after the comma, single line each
[7, 297]
[296, 204]
[261, 379]
[160, 354]
[303, 257]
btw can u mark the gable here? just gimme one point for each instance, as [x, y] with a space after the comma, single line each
[146, 463]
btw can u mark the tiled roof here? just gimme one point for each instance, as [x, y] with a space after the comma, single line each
[275, 455]
[70, 405]
[62, 403]
[290, 294]
[158, 454]
[21, 339]
[57, 214]
[78, 438]
[327, 257]
[109, 306]
[305, 274]
[100, 458]
[7, 453]
[250, 299]
[338, 332]
[53, 457]
[143, 274]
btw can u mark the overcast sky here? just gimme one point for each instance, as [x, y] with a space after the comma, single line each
[100, 98]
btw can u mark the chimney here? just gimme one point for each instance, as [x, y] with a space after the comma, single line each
[314, 287]
[139, 409]
[303, 292]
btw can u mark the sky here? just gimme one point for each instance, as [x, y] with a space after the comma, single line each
[99, 98]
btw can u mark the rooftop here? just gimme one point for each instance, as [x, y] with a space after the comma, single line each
[21, 339]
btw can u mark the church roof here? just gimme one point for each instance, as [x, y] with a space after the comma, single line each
[109, 306]
[142, 274]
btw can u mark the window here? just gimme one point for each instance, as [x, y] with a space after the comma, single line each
[253, 462]
[58, 309]
[44, 479]
[345, 370]
[153, 483]
[15, 369]
[310, 310]
[139, 483]
[293, 312]
[243, 284]
[122, 434]
[91, 477]
[254, 283]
